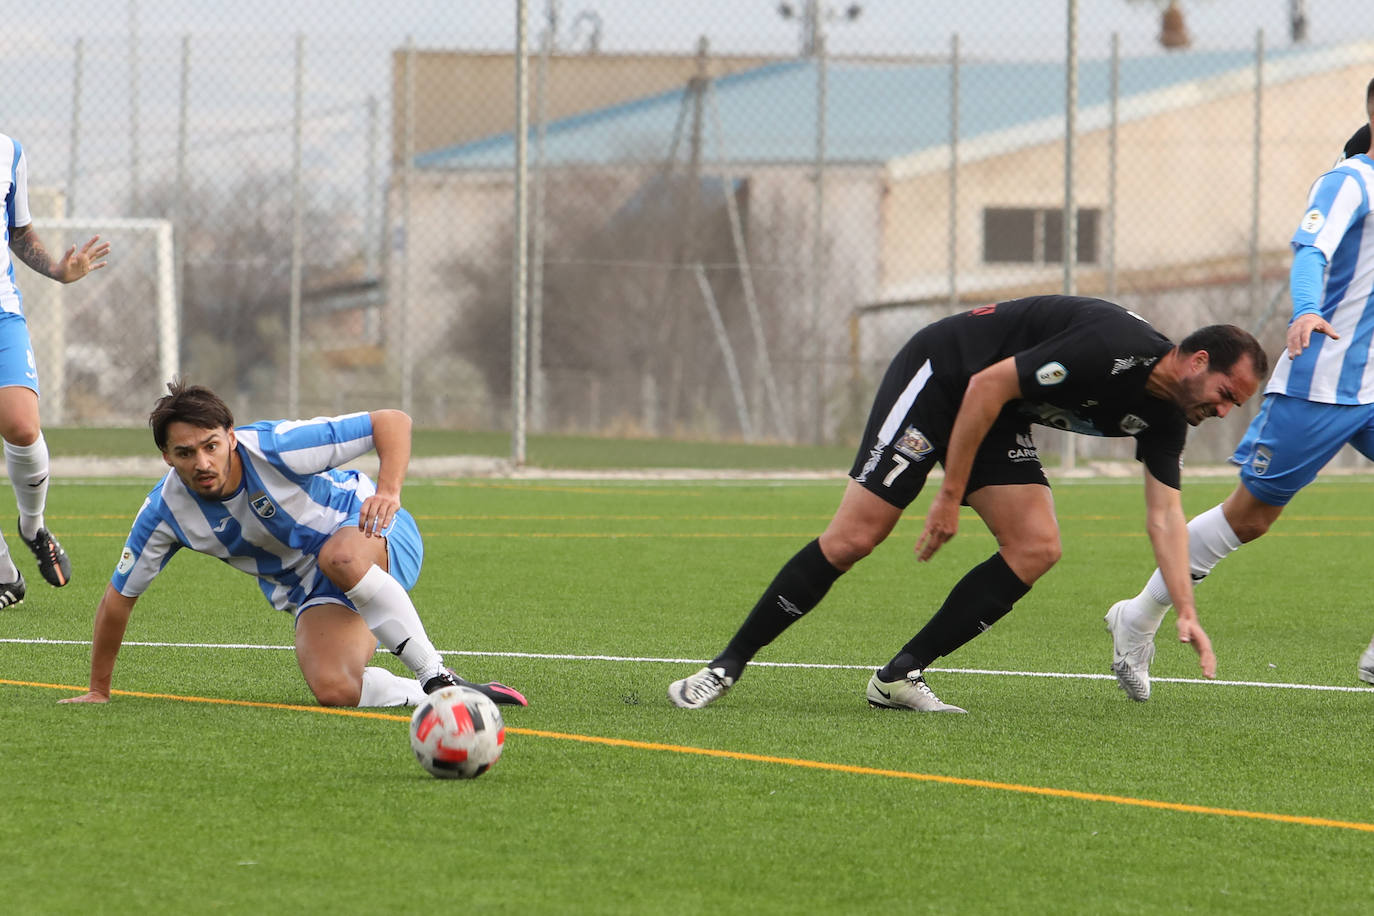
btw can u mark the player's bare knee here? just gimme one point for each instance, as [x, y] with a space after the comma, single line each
[1032, 559]
[844, 550]
[337, 691]
[340, 559]
[1248, 529]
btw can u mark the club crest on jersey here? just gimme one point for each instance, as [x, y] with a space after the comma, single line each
[1260, 463]
[914, 444]
[1313, 221]
[127, 558]
[1051, 374]
[1131, 424]
[262, 505]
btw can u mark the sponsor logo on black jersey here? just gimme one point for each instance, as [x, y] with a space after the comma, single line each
[984, 309]
[1025, 449]
[1131, 424]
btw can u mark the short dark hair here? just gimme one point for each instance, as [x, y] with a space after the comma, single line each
[185, 403]
[1358, 142]
[1226, 343]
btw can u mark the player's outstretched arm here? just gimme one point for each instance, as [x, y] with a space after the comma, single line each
[74, 265]
[1167, 527]
[111, 618]
[391, 441]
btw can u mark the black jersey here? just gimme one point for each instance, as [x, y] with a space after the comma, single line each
[1082, 365]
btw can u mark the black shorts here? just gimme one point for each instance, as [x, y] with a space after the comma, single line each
[908, 431]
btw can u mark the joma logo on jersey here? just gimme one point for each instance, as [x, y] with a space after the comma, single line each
[913, 443]
[262, 505]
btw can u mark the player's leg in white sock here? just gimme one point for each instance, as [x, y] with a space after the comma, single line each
[382, 688]
[28, 469]
[1210, 540]
[389, 613]
[333, 647]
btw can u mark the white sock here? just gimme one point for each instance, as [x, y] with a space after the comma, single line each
[387, 610]
[382, 688]
[28, 470]
[8, 571]
[1210, 540]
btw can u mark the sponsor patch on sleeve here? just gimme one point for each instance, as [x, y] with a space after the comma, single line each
[127, 559]
[1051, 373]
[1312, 221]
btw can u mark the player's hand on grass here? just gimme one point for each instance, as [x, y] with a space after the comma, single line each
[1190, 631]
[942, 523]
[1301, 330]
[91, 697]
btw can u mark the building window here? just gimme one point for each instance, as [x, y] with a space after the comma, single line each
[1026, 235]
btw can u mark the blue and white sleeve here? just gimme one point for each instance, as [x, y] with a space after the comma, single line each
[151, 543]
[1337, 200]
[312, 446]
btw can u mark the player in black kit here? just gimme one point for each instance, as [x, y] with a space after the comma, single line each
[964, 391]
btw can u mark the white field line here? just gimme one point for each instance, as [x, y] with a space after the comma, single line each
[561, 656]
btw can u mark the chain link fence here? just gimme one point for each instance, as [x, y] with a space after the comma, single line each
[734, 216]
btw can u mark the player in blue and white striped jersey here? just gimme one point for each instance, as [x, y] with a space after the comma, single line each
[325, 544]
[1318, 400]
[26, 451]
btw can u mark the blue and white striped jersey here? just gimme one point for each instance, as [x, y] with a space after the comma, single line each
[1340, 223]
[14, 172]
[292, 498]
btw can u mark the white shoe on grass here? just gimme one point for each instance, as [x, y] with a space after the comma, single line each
[1131, 655]
[910, 692]
[704, 687]
[1366, 669]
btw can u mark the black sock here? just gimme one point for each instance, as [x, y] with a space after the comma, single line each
[797, 588]
[980, 599]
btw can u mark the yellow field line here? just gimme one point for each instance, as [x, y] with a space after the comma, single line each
[765, 758]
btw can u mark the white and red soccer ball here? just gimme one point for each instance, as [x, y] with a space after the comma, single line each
[457, 733]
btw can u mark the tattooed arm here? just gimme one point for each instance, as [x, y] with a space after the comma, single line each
[27, 247]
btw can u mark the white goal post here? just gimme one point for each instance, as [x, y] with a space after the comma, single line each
[142, 249]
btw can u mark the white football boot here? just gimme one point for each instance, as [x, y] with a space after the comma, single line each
[910, 692]
[704, 687]
[1366, 669]
[1131, 654]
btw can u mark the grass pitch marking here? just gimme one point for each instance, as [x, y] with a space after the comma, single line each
[648, 659]
[1046, 791]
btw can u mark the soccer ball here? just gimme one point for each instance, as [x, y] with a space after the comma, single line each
[457, 733]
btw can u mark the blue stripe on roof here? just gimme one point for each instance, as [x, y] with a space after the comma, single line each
[876, 111]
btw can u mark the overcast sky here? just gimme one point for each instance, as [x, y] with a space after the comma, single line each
[673, 25]
[242, 76]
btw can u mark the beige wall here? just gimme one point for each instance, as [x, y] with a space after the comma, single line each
[1184, 192]
[462, 96]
